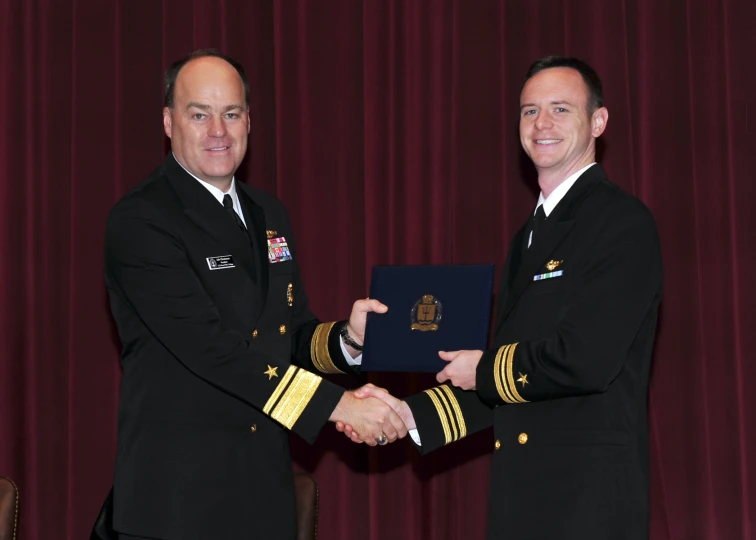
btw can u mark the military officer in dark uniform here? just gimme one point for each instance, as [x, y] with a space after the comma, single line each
[220, 351]
[566, 382]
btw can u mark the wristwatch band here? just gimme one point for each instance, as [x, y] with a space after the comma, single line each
[348, 339]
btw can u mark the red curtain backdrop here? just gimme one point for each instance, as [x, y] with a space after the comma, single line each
[389, 128]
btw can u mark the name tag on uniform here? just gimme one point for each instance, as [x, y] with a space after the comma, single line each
[549, 275]
[278, 250]
[221, 262]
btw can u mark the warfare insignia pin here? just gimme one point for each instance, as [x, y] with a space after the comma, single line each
[271, 234]
[426, 314]
[553, 265]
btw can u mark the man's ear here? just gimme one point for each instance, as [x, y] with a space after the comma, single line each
[167, 121]
[599, 119]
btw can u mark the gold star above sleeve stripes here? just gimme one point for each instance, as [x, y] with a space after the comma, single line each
[291, 396]
[272, 372]
[449, 413]
[504, 375]
[321, 358]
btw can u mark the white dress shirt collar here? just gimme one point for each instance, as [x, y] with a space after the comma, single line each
[550, 202]
[217, 193]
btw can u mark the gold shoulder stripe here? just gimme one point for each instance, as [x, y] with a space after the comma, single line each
[457, 410]
[510, 381]
[441, 415]
[296, 398]
[321, 358]
[279, 389]
[448, 411]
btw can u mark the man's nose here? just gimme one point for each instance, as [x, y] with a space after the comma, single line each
[543, 120]
[217, 127]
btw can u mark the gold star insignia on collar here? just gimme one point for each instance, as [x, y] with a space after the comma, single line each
[523, 379]
[272, 372]
[552, 265]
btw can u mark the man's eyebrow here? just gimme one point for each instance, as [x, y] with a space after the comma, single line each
[205, 107]
[557, 102]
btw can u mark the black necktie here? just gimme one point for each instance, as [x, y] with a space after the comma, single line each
[536, 224]
[228, 204]
[538, 221]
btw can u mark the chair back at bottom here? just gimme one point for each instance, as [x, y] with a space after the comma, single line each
[307, 506]
[8, 509]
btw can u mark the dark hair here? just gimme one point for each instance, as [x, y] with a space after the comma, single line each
[171, 74]
[589, 75]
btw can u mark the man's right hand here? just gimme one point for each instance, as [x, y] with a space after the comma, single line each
[370, 391]
[369, 419]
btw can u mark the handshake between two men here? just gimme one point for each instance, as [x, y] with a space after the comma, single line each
[370, 414]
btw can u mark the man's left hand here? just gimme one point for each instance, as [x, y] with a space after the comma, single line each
[461, 369]
[358, 318]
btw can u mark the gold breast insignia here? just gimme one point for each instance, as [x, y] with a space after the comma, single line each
[553, 265]
[426, 314]
[271, 234]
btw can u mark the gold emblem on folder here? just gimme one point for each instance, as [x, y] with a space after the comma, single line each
[553, 265]
[426, 314]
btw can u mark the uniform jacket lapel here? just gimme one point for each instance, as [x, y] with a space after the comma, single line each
[255, 218]
[205, 211]
[526, 264]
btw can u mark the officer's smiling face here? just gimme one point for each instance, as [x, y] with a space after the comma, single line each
[209, 122]
[557, 130]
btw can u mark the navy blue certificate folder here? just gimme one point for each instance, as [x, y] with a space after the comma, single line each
[431, 309]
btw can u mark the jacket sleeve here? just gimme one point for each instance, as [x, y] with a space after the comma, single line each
[601, 316]
[147, 265]
[445, 414]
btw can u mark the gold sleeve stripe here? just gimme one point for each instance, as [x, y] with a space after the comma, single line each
[279, 389]
[457, 410]
[499, 375]
[448, 411]
[510, 375]
[441, 415]
[296, 398]
[321, 358]
[506, 370]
